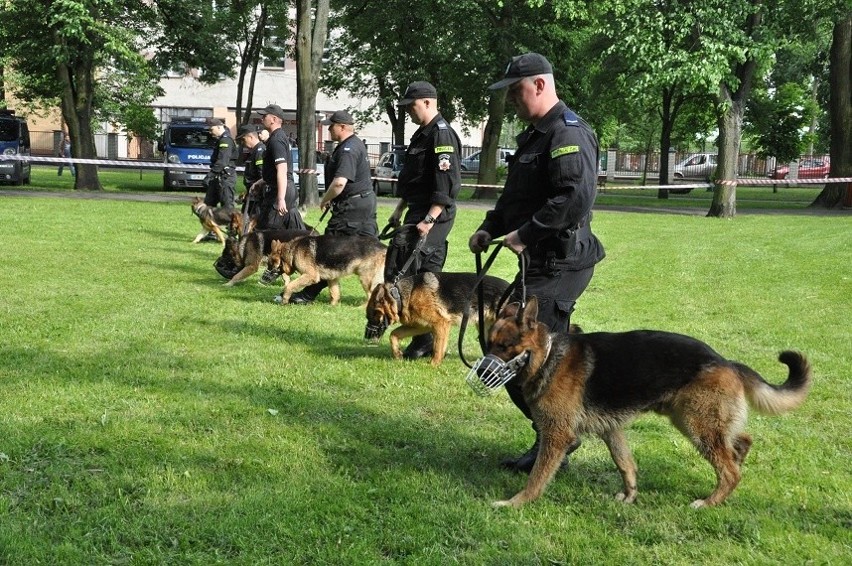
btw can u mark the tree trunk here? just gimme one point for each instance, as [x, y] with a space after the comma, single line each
[733, 103]
[840, 110]
[491, 146]
[249, 61]
[76, 105]
[311, 32]
[668, 116]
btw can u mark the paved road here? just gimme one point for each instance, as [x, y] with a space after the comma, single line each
[483, 205]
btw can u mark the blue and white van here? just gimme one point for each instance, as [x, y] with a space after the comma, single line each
[186, 141]
[14, 140]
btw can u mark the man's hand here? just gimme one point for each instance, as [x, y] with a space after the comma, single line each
[394, 219]
[479, 241]
[281, 205]
[513, 242]
[423, 228]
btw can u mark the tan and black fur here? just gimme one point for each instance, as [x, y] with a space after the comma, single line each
[329, 257]
[432, 302]
[597, 383]
[212, 219]
[248, 252]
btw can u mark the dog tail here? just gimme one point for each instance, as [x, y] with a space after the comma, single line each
[777, 399]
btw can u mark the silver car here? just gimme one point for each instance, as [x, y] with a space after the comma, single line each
[698, 166]
[471, 162]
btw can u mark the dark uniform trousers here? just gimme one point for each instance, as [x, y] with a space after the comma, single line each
[431, 256]
[221, 188]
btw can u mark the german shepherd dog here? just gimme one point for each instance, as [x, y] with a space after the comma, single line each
[329, 257]
[212, 219]
[429, 302]
[598, 382]
[247, 253]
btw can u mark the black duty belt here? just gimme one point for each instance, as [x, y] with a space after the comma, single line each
[354, 195]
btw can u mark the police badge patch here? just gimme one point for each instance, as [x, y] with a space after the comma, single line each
[444, 162]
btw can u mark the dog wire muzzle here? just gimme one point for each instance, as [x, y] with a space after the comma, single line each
[479, 291]
[489, 373]
[376, 330]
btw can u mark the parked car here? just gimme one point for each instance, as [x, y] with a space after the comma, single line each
[471, 162]
[698, 166]
[388, 167]
[811, 168]
[294, 158]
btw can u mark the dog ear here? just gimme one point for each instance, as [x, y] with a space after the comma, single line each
[509, 310]
[275, 246]
[529, 315]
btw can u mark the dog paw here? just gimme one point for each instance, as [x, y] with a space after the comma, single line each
[698, 504]
[505, 503]
[625, 498]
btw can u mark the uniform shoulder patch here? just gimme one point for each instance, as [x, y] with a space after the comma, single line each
[564, 150]
[570, 118]
[444, 149]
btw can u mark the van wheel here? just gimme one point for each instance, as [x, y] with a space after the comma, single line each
[376, 188]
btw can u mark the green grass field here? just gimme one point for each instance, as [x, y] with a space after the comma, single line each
[150, 415]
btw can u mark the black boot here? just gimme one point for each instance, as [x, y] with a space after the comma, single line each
[420, 347]
[525, 462]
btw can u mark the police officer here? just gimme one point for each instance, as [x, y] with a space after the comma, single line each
[428, 184]
[250, 137]
[279, 207]
[222, 178]
[350, 194]
[545, 208]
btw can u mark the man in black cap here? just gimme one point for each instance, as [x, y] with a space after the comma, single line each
[350, 193]
[428, 184]
[250, 137]
[545, 209]
[222, 178]
[279, 207]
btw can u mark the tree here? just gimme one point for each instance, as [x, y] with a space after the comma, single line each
[311, 34]
[63, 49]
[832, 196]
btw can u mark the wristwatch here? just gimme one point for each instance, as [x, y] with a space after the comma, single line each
[429, 219]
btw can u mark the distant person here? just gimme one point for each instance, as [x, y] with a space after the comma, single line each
[350, 194]
[221, 181]
[65, 151]
[279, 207]
[291, 137]
[250, 137]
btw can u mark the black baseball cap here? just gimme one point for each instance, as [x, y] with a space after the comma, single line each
[521, 66]
[246, 130]
[339, 117]
[416, 91]
[215, 122]
[273, 109]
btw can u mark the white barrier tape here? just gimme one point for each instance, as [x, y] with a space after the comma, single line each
[739, 182]
[161, 165]
[758, 182]
[126, 163]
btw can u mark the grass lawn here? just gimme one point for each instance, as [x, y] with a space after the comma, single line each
[150, 415]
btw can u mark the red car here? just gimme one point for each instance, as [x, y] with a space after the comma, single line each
[811, 168]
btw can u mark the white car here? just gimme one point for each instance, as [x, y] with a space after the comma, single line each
[388, 167]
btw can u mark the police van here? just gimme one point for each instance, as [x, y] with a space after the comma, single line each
[186, 141]
[14, 140]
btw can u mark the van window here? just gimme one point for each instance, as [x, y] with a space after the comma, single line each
[9, 130]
